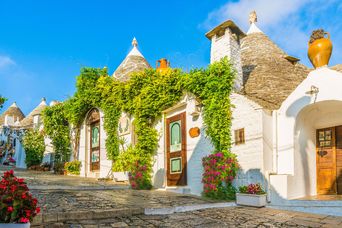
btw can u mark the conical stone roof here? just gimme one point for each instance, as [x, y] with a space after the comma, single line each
[13, 111]
[337, 67]
[134, 62]
[28, 121]
[268, 76]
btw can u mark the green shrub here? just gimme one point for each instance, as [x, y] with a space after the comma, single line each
[73, 167]
[34, 147]
[58, 167]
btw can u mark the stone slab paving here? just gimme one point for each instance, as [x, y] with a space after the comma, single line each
[54, 201]
[224, 217]
[48, 180]
[68, 201]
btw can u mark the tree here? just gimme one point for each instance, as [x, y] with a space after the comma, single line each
[2, 101]
[34, 146]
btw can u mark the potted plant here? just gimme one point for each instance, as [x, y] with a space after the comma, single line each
[251, 195]
[17, 205]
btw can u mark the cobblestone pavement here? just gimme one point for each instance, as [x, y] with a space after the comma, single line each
[48, 179]
[53, 201]
[80, 208]
[224, 217]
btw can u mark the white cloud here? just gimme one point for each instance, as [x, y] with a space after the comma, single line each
[270, 12]
[6, 61]
[288, 23]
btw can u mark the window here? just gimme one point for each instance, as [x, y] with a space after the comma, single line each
[176, 165]
[239, 136]
[324, 138]
[176, 136]
[95, 136]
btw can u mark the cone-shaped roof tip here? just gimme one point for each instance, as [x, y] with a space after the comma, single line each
[253, 19]
[14, 105]
[134, 42]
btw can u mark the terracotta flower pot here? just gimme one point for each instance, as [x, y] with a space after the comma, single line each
[320, 51]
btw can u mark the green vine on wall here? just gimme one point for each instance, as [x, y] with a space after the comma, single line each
[144, 97]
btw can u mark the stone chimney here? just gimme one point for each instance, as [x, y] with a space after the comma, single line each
[225, 42]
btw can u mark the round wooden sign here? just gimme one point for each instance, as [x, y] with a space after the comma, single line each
[194, 132]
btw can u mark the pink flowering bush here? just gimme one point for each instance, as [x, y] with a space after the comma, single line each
[255, 189]
[140, 177]
[220, 169]
[16, 202]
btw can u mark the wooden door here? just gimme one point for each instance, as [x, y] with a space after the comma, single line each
[326, 161]
[176, 150]
[339, 159]
[95, 146]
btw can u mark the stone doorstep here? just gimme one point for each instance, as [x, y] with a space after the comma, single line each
[61, 217]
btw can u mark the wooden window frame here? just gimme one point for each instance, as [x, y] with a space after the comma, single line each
[239, 136]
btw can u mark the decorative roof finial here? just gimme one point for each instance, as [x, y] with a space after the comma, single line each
[134, 42]
[253, 17]
[14, 105]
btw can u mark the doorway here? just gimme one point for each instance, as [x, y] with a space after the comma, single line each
[329, 160]
[176, 150]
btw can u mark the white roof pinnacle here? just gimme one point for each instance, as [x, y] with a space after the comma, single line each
[253, 18]
[43, 102]
[14, 105]
[135, 50]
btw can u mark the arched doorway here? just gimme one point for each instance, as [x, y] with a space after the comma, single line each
[318, 147]
[93, 122]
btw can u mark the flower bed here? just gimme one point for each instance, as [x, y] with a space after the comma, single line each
[251, 195]
[219, 172]
[16, 202]
[139, 177]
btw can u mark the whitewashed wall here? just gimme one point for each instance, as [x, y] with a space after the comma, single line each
[248, 115]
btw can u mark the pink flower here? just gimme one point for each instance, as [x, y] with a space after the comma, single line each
[24, 220]
[220, 155]
[10, 209]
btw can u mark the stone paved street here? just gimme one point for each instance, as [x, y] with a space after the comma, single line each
[121, 207]
[53, 201]
[224, 217]
[48, 180]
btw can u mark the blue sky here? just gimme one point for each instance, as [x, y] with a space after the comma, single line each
[43, 44]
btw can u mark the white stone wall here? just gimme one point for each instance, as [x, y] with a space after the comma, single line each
[227, 46]
[248, 115]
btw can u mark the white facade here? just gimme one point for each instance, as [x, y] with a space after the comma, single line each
[256, 151]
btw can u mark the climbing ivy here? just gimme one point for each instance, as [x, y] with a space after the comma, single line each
[56, 126]
[34, 146]
[144, 97]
